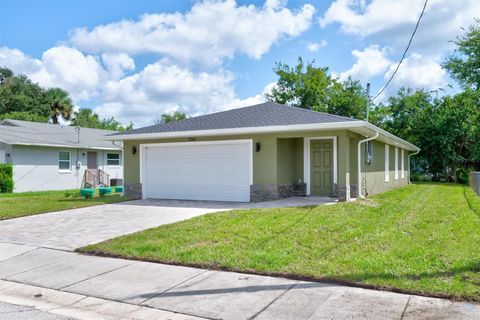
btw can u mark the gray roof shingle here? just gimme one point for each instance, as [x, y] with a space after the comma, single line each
[26, 132]
[260, 115]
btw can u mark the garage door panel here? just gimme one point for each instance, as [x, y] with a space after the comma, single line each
[198, 171]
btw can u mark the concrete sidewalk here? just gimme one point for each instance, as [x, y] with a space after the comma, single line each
[191, 292]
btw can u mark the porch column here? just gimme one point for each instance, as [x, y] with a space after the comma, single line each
[343, 174]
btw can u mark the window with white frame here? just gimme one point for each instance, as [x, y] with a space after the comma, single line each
[64, 161]
[387, 163]
[396, 163]
[113, 159]
[403, 164]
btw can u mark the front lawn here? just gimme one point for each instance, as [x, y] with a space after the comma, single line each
[14, 205]
[422, 238]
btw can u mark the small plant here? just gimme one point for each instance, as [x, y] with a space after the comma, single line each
[6, 178]
[72, 193]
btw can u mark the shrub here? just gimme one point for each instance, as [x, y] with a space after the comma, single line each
[6, 178]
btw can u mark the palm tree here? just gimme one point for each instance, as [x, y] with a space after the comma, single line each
[60, 104]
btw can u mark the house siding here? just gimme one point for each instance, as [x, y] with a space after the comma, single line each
[36, 168]
[278, 166]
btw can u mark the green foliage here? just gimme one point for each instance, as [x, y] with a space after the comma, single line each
[22, 99]
[169, 117]
[87, 119]
[26, 116]
[6, 178]
[309, 87]
[464, 64]
[60, 104]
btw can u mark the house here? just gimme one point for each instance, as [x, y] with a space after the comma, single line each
[263, 152]
[56, 157]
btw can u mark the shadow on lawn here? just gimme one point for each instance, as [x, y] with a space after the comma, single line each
[458, 271]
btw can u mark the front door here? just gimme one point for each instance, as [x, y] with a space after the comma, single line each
[321, 167]
[91, 160]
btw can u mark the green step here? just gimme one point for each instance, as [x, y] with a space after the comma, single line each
[104, 190]
[119, 189]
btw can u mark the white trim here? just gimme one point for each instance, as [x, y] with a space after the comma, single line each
[69, 170]
[144, 149]
[387, 163]
[403, 164]
[396, 163]
[236, 131]
[356, 124]
[61, 146]
[113, 165]
[306, 159]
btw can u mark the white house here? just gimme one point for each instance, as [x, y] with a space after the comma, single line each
[55, 157]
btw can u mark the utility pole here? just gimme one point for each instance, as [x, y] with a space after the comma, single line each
[368, 100]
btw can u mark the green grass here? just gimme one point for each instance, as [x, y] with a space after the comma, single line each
[423, 239]
[14, 205]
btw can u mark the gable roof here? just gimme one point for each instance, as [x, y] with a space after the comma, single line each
[260, 115]
[268, 117]
[19, 132]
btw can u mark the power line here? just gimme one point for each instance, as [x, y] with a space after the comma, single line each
[404, 53]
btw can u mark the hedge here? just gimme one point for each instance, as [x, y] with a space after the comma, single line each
[6, 178]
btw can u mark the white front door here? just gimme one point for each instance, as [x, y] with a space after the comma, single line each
[218, 171]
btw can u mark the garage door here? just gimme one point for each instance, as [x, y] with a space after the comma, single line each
[218, 171]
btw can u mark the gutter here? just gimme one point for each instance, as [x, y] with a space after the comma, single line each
[409, 172]
[359, 163]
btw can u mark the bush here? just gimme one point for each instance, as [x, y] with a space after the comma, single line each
[6, 178]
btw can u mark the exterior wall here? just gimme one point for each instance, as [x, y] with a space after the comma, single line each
[278, 166]
[8, 150]
[36, 168]
[375, 172]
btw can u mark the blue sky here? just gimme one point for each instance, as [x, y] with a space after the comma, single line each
[137, 59]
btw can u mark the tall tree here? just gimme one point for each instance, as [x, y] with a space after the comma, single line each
[87, 119]
[303, 86]
[464, 64]
[19, 94]
[169, 117]
[60, 104]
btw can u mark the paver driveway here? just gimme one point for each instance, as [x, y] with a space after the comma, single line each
[71, 229]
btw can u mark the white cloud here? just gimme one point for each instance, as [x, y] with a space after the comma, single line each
[417, 72]
[209, 33]
[250, 101]
[370, 62]
[315, 46]
[161, 87]
[117, 64]
[63, 67]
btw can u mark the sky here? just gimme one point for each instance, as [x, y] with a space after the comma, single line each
[137, 59]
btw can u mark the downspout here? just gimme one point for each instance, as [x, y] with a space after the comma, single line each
[359, 164]
[409, 172]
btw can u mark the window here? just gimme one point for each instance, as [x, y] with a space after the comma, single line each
[64, 161]
[369, 152]
[396, 163]
[403, 164]
[387, 163]
[113, 159]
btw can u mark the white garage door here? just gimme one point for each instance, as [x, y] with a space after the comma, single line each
[218, 171]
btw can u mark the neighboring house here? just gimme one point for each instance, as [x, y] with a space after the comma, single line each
[55, 157]
[263, 152]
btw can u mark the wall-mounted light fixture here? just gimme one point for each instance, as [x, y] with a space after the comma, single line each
[134, 150]
[257, 146]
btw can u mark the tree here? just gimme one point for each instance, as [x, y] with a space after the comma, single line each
[19, 94]
[309, 87]
[464, 64]
[87, 119]
[26, 116]
[169, 117]
[303, 86]
[60, 104]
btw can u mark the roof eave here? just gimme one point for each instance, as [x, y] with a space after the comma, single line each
[236, 131]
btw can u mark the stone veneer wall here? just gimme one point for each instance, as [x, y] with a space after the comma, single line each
[133, 190]
[261, 192]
